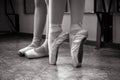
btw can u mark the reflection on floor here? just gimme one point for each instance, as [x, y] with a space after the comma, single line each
[103, 64]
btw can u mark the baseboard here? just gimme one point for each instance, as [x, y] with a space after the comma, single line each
[88, 42]
[112, 45]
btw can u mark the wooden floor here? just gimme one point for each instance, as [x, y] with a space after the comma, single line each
[102, 64]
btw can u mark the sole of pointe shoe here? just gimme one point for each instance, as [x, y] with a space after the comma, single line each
[53, 58]
[79, 56]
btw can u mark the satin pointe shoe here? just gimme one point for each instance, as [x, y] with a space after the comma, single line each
[35, 43]
[22, 51]
[55, 47]
[54, 32]
[34, 53]
[76, 46]
[41, 51]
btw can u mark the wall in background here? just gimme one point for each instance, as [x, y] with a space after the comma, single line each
[4, 23]
[89, 6]
[116, 29]
[26, 22]
[89, 23]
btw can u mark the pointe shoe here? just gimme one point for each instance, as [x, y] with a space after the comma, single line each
[34, 53]
[35, 43]
[54, 31]
[22, 51]
[55, 46]
[76, 43]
